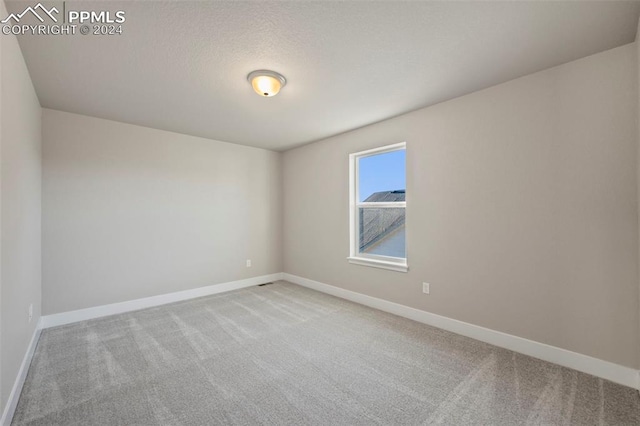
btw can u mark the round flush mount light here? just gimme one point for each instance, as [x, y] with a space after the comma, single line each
[266, 83]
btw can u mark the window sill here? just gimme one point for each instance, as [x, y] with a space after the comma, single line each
[375, 263]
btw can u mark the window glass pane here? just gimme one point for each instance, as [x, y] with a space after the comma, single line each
[382, 177]
[382, 231]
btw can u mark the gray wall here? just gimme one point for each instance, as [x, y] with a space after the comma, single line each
[20, 182]
[132, 212]
[638, 146]
[521, 208]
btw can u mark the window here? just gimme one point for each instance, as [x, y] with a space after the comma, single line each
[377, 207]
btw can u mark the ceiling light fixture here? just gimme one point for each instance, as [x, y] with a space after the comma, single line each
[266, 83]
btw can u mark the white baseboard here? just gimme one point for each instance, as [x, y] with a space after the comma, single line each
[14, 396]
[604, 369]
[148, 302]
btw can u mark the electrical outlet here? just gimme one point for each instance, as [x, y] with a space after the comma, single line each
[248, 263]
[30, 312]
[425, 288]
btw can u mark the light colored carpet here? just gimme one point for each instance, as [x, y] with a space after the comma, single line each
[282, 354]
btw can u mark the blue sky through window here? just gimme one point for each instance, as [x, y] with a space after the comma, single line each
[382, 172]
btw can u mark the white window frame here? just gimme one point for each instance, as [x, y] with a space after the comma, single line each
[398, 264]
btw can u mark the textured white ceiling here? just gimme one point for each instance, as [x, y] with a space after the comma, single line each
[182, 66]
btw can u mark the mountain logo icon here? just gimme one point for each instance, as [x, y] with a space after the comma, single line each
[34, 11]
